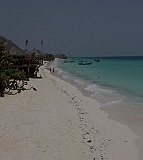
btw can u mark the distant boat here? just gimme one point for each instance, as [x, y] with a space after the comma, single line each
[97, 60]
[66, 61]
[84, 63]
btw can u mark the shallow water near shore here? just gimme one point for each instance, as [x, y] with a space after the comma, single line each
[115, 82]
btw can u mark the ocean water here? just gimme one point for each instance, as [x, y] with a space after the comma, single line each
[115, 82]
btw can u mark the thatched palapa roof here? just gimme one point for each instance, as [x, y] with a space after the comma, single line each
[36, 53]
[13, 48]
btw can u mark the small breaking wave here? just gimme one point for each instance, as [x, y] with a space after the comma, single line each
[95, 88]
[113, 102]
[79, 81]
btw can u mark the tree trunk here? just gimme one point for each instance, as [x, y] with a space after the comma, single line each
[2, 89]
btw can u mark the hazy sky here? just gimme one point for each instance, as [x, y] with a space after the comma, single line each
[75, 27]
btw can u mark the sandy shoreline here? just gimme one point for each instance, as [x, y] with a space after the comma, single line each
[58, 122]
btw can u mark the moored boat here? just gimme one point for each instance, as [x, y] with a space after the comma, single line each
[84, 63]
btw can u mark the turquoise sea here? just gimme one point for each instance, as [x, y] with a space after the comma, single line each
[115, 82]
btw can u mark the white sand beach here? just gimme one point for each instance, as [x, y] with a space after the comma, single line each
[57, 122]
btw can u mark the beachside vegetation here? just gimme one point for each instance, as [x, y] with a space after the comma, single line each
[10, 78]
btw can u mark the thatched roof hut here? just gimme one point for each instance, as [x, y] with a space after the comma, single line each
[18, 52]
[36, 53]
[13, 48]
